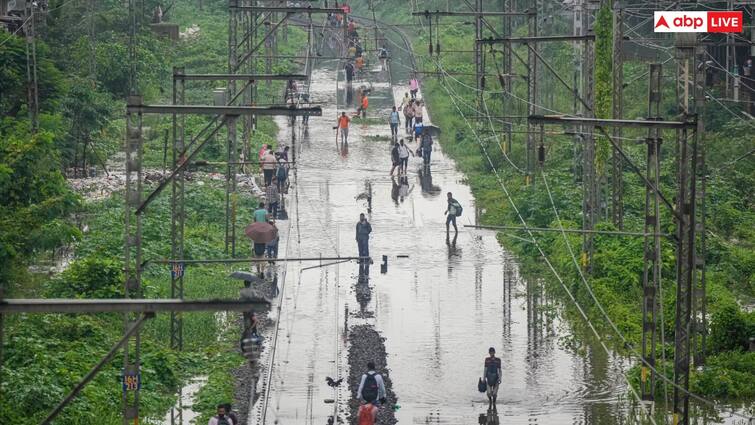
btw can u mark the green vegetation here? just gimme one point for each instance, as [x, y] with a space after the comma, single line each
[617, 262]
[82, 99]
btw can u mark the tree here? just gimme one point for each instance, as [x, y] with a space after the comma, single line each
[33, 193]
[13, 77]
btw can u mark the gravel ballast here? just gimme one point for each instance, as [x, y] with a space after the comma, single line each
[365, 345]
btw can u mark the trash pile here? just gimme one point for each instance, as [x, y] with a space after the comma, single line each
[191, 33]
[102, 186]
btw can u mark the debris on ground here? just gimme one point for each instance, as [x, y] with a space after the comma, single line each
[191, 33]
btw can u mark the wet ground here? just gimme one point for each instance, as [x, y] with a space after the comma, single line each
[439, 309]
[440, 305]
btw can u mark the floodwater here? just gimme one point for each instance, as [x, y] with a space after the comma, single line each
[440, 305]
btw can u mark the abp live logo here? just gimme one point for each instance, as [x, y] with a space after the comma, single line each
[729, 21]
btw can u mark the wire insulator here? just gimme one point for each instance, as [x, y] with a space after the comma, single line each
[541, 154]
[501, 81]
[431, 47]
[437, 47]
[482, 83]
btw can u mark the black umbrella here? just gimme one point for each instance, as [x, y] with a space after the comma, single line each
[432, 129]
[247, 276]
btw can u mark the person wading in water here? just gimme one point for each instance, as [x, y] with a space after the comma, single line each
[492, 374]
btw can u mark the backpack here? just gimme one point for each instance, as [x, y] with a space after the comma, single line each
[225, 420]
[458, 208]
[280, 174]
[370, 389]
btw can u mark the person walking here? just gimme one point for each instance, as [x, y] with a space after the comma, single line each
[403, 156]
[262, 151]
[260, 214]
[452, 211]
[367, 414]
[281, 154]
[395, 159]
[405, 103]
[413, 87]
[418, 127]
[393, 120]
[363, 107]
[281, 176]
[426, 147]
[492, 374]
[371, 387]
[363, 231]
[383, 56]
[349, 68]
[268, 166]
[221, 418]
[272, 194]
[231, 413]
[343, 127]
[409, 115]
[418, 112]
[258, 251]
[271, 248]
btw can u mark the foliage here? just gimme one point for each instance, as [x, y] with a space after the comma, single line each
[13, 76]
[727, 375]
[91, 277]
[603, 80]
[731, 329]
[33, 196]
[220, 384]
[47, 354]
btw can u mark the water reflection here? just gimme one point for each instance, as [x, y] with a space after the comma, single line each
[349, 92]
[454, 253]
[394, 190]
[362, 288]
[403, 188]
[489, 418]
[508, 283]
[426, 182]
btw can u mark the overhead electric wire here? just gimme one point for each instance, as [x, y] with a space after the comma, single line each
[20, 27]
[589, 289]
[542, 253]
[616, 330]
[548, 263]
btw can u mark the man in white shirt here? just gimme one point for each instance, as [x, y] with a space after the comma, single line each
[371, 387]
[221, 418]
[403, 156]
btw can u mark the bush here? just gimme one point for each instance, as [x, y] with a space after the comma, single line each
[729, 375]
[731, 329]
[90, 277]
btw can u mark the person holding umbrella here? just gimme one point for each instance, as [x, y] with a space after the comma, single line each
[261, 233]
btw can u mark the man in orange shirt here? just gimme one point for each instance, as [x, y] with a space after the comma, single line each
[343, 127]
[367, 414]
[363, 107]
